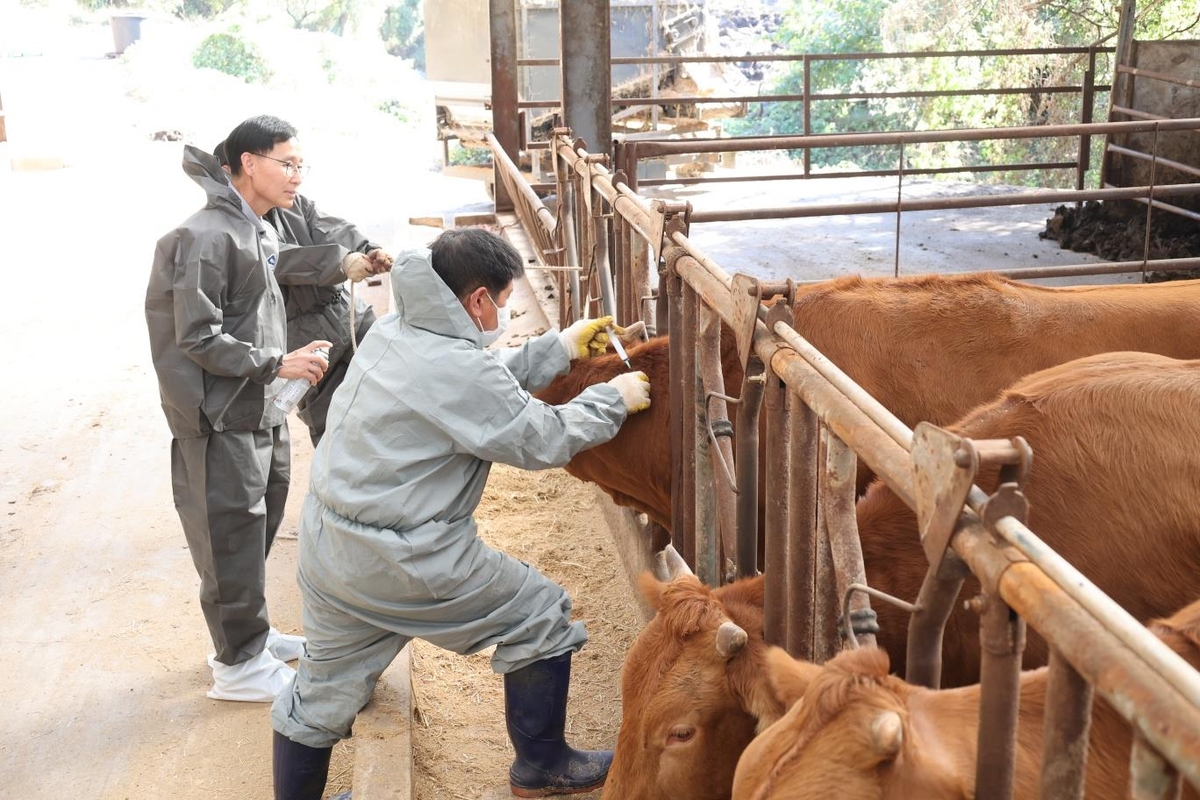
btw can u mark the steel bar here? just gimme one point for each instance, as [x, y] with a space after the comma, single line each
[674, 304]
[652, 148]
[746, 466]
[1151, 777]
[802, 542]
[505, 126]
[1168, 720]
[864, 173]
[716, 501]
[1068, 720]
[1165, 162]
[687, 332]
[586, 70]
[841, 526]
[1002, 641]
[936, 204]
[1117, 620]
[886, 420]
[1158, 76]
[775, 514]
[927, 624]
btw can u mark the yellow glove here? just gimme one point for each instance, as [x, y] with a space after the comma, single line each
[587, 338]
[634, 388]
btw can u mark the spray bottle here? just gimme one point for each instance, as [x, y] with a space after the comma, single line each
[296, 388]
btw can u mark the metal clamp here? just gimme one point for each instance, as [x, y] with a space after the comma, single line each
[723, 427]
[865, 621]
[944, 469]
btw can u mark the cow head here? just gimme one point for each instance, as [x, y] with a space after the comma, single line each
[849, 733]
[692, 690]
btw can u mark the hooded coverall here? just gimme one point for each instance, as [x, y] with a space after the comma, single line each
[319, 311]
[389, 549]
[217, 337]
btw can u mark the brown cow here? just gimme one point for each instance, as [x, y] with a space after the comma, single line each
[690, 700]
[1111, 490]
[929, 348]
[856, 733]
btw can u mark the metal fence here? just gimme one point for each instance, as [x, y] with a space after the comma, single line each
[813, 563]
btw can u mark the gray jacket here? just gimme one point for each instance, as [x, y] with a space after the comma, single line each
[425, 410]
[215, 314]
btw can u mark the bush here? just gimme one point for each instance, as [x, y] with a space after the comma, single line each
[403, 32]
[229, 53]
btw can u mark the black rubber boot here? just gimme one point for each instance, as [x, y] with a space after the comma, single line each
[535, 708]
[300, 771]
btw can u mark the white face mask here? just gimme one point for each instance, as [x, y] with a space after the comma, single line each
[502, 318]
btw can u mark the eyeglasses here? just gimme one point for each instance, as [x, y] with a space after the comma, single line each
[289, 169]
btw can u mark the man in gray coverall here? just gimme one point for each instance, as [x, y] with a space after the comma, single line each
[321, 311]
[388, 543]
[217, 336]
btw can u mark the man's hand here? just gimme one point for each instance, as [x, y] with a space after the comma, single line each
[305, 363]
[380, 261]
[635, 390]
[357, 266]
[587, 338]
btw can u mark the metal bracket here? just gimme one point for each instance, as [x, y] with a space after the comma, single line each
[944, 469]
[671, 218]
[746, 302]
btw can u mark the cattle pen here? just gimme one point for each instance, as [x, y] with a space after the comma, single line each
[602, 243]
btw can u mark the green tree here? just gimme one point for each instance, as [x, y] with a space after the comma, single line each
[403, 32]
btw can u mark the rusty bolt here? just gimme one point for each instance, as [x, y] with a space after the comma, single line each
[962, 457]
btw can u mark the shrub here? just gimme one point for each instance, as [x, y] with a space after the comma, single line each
[229, 53]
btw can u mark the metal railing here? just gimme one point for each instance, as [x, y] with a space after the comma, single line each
[813, 561]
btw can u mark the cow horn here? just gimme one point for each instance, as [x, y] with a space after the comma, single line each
[887, 734]
[669, 565]
[730, 639]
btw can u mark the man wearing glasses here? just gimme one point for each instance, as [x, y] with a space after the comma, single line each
[218, 337]
[321, 310]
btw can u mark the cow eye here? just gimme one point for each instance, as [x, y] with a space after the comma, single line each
[680, 734]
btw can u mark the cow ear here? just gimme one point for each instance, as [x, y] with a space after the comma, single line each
[789, 678]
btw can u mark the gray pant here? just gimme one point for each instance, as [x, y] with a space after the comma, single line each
[230, 490]
[368, 591]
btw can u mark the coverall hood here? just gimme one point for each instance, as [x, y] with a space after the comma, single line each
[426, 302]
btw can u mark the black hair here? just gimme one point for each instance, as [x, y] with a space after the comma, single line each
[219, 152]
[255, 135]
[467, 258]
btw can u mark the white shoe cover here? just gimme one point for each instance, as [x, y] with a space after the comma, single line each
[258, 680]
[285, 646]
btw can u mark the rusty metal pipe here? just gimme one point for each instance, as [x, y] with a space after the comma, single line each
[714, 499]
[938, 204]
[1151, 777]
[656, 148]
[1117, 620]
[775, 516]
[1169, 721]
[838, 498]
[687, 380]
[1068, 720]
[927, 624]
[1002, 640]
[802, 544]
[746, 467]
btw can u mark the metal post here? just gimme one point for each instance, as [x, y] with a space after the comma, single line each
[587, 71]
[747, 468]
[506, 125]
[707, 360]
[778, 466]
[684, 535]
[1002, 640]
[802, 528]
[1067, 721]
[841, 525]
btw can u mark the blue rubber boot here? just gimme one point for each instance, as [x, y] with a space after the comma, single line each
[300, 771]
[535, 706]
